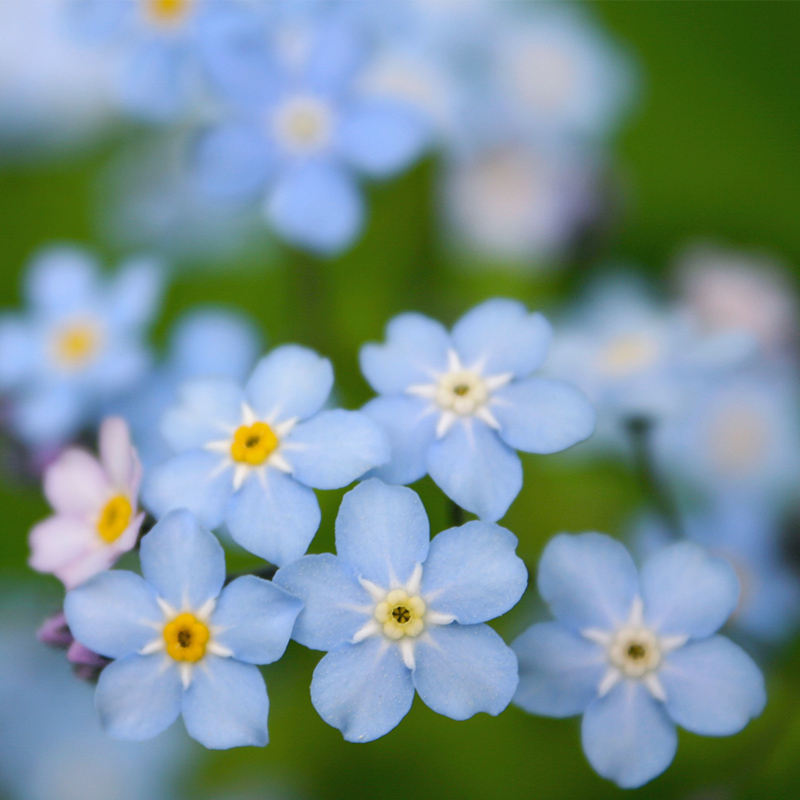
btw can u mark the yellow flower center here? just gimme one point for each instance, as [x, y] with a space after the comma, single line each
[629, 354]
[253, 444]
[186, 638]
[401, 614]
[114, 518]
[167, 12]
[76, 344]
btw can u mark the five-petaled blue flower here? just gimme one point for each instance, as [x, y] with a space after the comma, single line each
[250, 457]
[635, 653]
[456, 405]
[398, 612]
[182, 643]
[79, 345]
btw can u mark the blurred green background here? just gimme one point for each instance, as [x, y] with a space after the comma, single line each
[713, 151]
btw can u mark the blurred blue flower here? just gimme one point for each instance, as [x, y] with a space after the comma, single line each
[205, 343]
[456, 405]
[79, 345]
[182, 643]
[399, 612]
[635, 653]
[299, 128]
[250, 457]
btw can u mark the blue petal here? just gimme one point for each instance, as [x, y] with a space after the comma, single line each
[182, 561]
[190, 480]
[111, 612]
[61, 279]
[411, 428]
[364, 690]
[334, 448]
[627, 735]
[137, 697]
[155, 84]
[317, 206]
[539, 415]
[589, 580]
[415, 352]
[226, 704]
[18, 351]
[381, 136]
[713, 687]
[463, 669]
[255, 619]
[501, 335]
[208, 410]
[473, 572]
[292, 381]
[338, 51]
[687, 591]
[48, 415]
[331, 595]
[276, 522]
[473, 467]
[382, 532]
[559, 671]
[134, 294]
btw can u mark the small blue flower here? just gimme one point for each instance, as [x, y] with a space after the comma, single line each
[456, 405]
[79, 345]
[251, 457]
[182, 643]
[399, 612]
[635, 653]
[300, 128]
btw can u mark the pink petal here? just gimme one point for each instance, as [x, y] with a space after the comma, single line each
[57, 541]
[86, 566]
[76, 484]
[116, 452]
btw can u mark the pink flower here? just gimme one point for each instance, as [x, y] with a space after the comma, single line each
[95, 504]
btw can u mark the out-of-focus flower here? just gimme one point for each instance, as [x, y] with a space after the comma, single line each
[95, 501]
[636, 359]
[55, 632]
[250, 457]
[182, 643]
[299, 132]
[79, 345]
[400, 612]
[635, 653]
[205, 343]
[456, 405]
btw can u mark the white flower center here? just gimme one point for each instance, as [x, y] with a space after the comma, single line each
[635, 651]
[628, 354]
[303, 125]
[463, 392]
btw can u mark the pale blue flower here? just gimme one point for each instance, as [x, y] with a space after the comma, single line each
[636, 652]
[251, 457]
[398, 612]
[182, 643]
[79, 344]
[456, 405]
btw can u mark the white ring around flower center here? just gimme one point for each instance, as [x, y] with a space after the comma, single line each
[635, 651]
[462, 391]
[303, 124]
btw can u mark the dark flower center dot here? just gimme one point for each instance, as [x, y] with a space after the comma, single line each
[401, 614]
[184, 637]
[461, 389]
[252, 441]
[636, 651]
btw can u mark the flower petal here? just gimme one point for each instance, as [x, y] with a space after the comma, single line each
[463, 669]
[76, 484]
[291, 381]
[411, 428]
[627, 735]
[474, 468]
[117, 454]
[19, 351]
[334, 448]
[61, 279]
[58, 540]
[559, 671]
[415, 352]
[364, 690]
[276, 521]
[502, 336]
[254, 619]
[713, 687]
[539, 415]
[114, 613]
[588, 580]
[473, 572]
[335, 604]
[155, 83]
[134, 294]
[226, 704]
[687, 591]
[382, 532]
[183, 561]
[138, 697]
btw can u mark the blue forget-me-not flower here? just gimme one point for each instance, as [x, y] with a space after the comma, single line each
[636, 652]
[182, 643]
[398, 611]
[79, 344]
[456, 405]
[251, 457]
